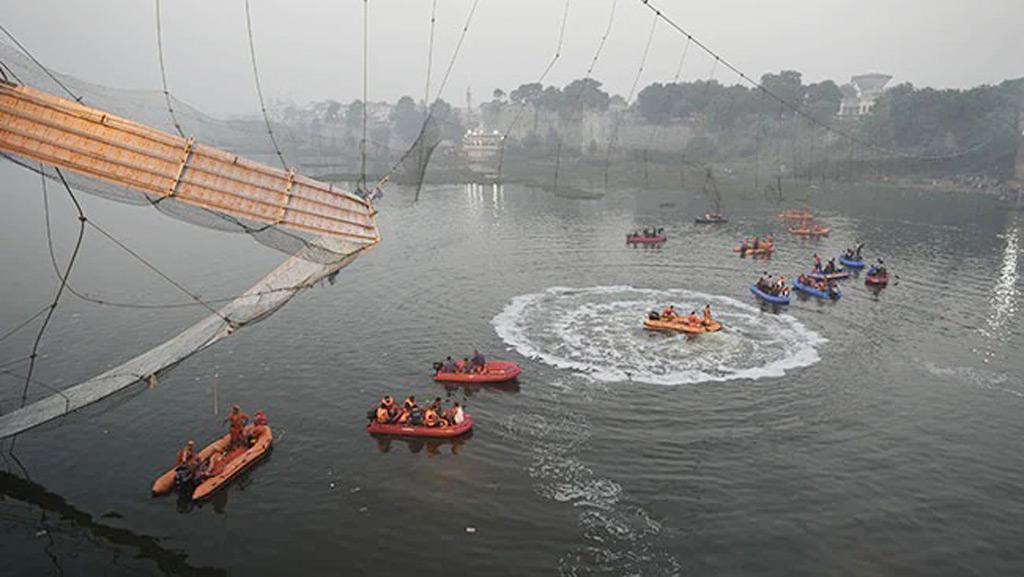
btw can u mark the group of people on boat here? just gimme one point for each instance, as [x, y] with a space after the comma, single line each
[823, 285]
[878, 269]
[647, 233]
[469, 365]
[434, 415]
[669, 314]
[854, 253]
[756, 243]
[775, 286]
[242, 434]
[829, 268]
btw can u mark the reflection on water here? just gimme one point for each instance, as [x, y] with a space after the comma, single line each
[70, 526]
[1004, 293]
[416, 445]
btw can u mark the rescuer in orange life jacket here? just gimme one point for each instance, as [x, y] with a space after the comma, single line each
[187, 457]
[408, 406]
[237, 420]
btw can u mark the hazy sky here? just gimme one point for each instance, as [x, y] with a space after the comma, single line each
[312, 49]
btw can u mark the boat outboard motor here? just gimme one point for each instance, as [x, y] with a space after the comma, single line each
[184, 477]
[654, 315]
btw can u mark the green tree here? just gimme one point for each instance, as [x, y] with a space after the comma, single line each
[406, 119]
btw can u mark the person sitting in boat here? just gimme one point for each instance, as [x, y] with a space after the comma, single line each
[212, 466]
[831, 266]
[817, 263]
[383, 417]
[478, 361]
[187, 457]
[455, 415]
[408, 408]
[693, 319]
[668, 313]
[256, 429]
[755, 243]
[389, 403]
[237, 420]
[744, 246]
[448, 366]
[769, 240]
[880, 269]
[431, 418]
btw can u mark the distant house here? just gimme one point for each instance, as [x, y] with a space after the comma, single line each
[868, 88]
[480, 146]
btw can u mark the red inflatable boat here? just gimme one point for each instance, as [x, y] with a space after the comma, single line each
[375, 428]
[494, 372]
[630, 239]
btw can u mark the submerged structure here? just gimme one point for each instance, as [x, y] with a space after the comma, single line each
[324, 227]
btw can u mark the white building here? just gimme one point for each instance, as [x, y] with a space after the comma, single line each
[481, 146]
[869, 87]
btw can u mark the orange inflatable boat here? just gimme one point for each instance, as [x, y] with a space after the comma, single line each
[375, 428]
[761, 249]
[681, 326]
[494, 372]
[812, 231]
[796, 214]
[233, 462]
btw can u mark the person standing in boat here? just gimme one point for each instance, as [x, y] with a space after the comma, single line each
[707, 315]
[236, 423]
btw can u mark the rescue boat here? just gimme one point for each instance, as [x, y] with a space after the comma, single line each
[494, 372]
[234, 462]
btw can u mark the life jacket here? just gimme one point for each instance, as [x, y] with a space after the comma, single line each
[430, 418]
[693, 320]
[382, 415]
[185, 456]
[409, 405]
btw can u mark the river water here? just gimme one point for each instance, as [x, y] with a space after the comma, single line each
[878, 435]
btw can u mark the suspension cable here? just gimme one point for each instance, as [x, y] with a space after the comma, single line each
[613, 137]
[522, 105]
[60, 290]
[432, 106]
[163, 72]
[579, 93]
[259, 87]
[794, 107]
[430, 53]
[39, 64]
[362, 143]
[656, 126]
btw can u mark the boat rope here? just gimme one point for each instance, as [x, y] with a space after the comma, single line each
[259, 87]
[163, 73]
[579, 93]
[613, 137]
[45, 70]
[525, 102]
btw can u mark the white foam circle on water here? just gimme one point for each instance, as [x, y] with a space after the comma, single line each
[599, 331]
